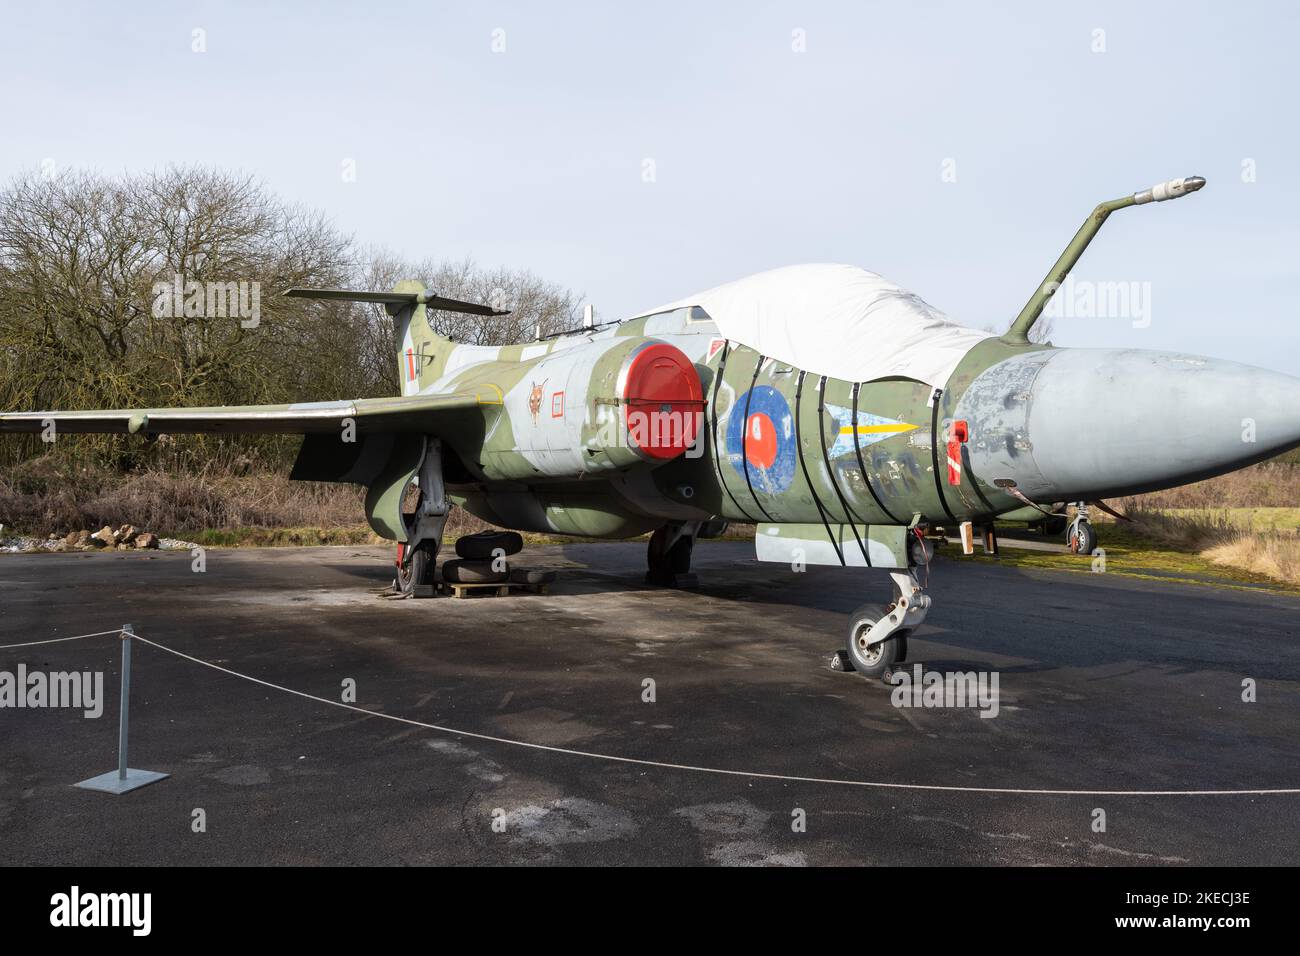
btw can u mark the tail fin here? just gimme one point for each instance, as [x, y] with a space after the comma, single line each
[407, 304]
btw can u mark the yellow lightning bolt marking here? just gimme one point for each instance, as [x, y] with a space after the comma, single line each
[876, 429]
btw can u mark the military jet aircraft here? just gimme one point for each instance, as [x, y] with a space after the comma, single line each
[842, 415]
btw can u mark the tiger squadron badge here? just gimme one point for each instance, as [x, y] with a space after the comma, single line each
[535, 399]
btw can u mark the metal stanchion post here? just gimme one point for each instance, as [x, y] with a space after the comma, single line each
[123, 779]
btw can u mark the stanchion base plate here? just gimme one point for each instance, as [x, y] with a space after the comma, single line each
[112, 783]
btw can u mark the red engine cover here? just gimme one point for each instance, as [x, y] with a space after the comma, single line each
[664, 401]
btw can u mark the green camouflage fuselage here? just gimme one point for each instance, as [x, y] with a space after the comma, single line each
[776, 444]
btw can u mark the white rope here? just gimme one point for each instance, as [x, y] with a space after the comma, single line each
[60, 640]
[716, 770]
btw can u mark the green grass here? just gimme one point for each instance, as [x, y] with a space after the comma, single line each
[1249, 519]
[1129, 553]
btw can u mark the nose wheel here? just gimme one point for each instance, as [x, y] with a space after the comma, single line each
[873, 660]
[877, 638]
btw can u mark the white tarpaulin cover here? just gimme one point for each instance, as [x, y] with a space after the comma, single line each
[837, 320]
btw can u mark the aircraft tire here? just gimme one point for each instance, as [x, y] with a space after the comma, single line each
[480, 546]
[876, 661]
[1081, 537]
[419, 570]
[670, 560]
[472, 572]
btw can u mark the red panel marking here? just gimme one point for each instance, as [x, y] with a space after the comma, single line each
[954, 463]
[958, 435]
[664, 401]
[410, 364]
[557, 405]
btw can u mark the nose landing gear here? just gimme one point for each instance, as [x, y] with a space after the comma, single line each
[877, 638]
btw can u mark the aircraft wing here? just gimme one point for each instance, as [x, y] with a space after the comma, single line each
[413, 413]
[375, 442]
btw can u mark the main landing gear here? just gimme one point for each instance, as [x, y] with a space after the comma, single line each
[669, 555]
[416, 557]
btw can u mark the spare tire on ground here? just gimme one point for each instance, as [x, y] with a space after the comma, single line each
[481, 546]
[531, 576]
[472, 572]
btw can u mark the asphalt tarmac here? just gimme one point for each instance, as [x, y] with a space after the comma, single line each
[1106, 683]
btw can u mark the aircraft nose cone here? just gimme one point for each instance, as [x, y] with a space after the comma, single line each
[1078, 424]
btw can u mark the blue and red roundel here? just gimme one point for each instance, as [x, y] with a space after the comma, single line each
[765, 438]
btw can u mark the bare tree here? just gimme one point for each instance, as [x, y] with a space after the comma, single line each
[87, 318]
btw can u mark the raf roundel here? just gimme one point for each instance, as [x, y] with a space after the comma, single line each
[763, 438]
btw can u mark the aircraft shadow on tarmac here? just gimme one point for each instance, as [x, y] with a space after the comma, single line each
[1054, 619]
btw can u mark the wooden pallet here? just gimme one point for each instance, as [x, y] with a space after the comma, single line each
[500, 589]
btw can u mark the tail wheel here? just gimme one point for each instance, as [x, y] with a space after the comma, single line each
[873, 660]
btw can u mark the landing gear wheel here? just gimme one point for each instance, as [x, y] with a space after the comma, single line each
[1081, 537]
[418, 570]
[876, 660]
[666, 563]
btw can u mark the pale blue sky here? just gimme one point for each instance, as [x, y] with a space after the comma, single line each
[763, 156]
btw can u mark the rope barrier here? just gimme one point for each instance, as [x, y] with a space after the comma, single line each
[60, 640]
[718, 771]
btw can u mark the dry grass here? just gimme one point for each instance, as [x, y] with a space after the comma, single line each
[1217, 519]
[1270, 484]
[1273, 554]
[1185, 530]
[1219, 537]
[45, 496]
[211, 506]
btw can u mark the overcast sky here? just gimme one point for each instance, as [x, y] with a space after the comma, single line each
[639, 152]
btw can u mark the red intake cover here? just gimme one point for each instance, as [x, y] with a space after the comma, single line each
[664, 399]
